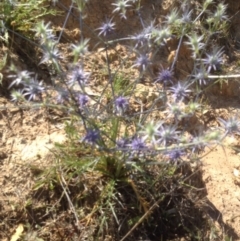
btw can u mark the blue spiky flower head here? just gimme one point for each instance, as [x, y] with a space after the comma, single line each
[121, 104]
[180, 91]
[82, 100]
[92, 136]
[213, 60]
[231, 126]
[138, 145]
[165, 77]
[142, 62]
[107, 28]
[79, 76]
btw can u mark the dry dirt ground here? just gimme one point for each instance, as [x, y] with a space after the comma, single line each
[27, 136]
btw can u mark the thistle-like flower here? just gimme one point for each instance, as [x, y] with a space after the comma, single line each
[207, 3]
[81, 49]
[17, 95]
[20, 77]
[195, 44]
[201, 76]
[63, 95]
[231, 126]
[160, 35]
[175, 154]
[82, 100]
[150, 132]
[192, 107]
[138, 145]
[180, 91]
[121, 104]
[80, 4]
[92, 136]
[175, 110]
[172, 18]
[198, 143]
[50, 53]
[142, 62]
[214, 60]
[167, 134]
[44, 32]
[186, 16]
[33, 89]
[165, 77]
[107, 28]
[220, 15]
[121, 6]
[80, 76]
[122, 144]
[141, 39]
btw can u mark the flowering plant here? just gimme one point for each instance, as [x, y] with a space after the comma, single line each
[115, 130]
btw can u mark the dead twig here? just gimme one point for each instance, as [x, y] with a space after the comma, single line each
[63, 184]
